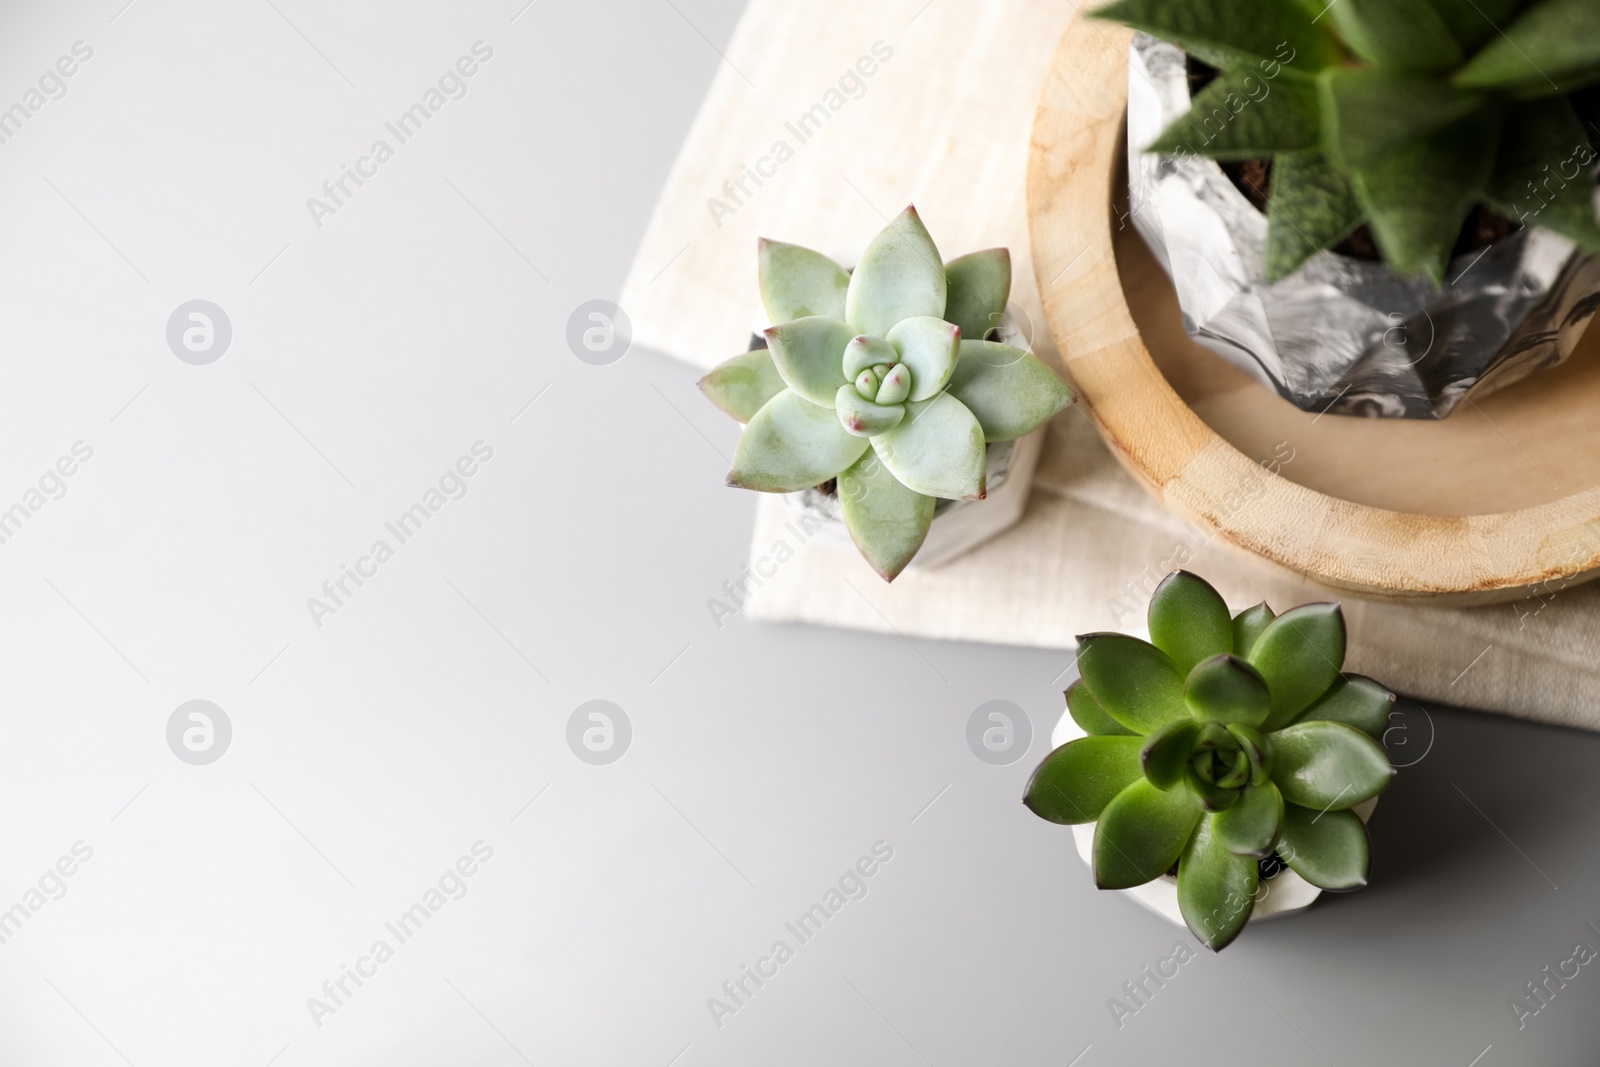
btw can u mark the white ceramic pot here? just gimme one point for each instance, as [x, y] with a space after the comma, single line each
[1282, 894]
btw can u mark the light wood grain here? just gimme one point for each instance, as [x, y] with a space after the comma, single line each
[1482, 507]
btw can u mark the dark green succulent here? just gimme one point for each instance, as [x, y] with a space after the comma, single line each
[1228, 740]
[1401, 114]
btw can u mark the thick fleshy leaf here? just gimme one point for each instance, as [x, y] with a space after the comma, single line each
[1166, 752]
[1328, 766]
[899, 277]
[1076, 781]
[792, 444]
[1248, 626]
[1398, 34]
[1010, 391]
[1132, 680]
[809, 354]
[1251, 826]
[862, 417]
[1216, 888]
[928, 346]
[1326, 848]
[865, 351]
[1227, 689]
[1234, 776]
[1256, 749]
[741, 385]
[1090, 716]
[979, 284]
[887, 521]
[1243, 115]
[1417, 195]
[1539, 178]
[896, 385]
[1299, 654]
[1553, 47]
[937, 450]
[797, 283]
[1222, 30]
[1141, 833]
[1312, 209]
[1189, 620]
[1357, 701]
[1368, 112]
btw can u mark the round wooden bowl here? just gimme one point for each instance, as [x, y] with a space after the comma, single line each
[1494, 503]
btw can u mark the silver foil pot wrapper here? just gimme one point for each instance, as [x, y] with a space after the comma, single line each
[1342, 335]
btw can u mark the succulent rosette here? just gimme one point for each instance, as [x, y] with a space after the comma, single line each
[1222, 741]
[882, 378]
[1400, 114]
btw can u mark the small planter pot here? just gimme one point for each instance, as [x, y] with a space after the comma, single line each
[1341, 334]
[1281, 892]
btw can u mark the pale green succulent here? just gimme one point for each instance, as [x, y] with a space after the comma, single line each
[883, 379]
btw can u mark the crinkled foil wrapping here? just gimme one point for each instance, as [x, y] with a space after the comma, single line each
[1342, 335]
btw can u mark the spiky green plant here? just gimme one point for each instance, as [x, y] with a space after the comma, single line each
[882, 378]
[1402, 114]
[1229, 739]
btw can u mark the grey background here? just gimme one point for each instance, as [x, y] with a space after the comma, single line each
[430, 711]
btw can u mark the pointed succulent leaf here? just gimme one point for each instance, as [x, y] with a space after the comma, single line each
[1223, 30]
[1189, 620]
[1241, 115]
[887, 521]
[809, 354]
[1542, 139]
[1010, 391]
[792, 444]
[1552, 47]
[1141, 834]
[797, 283]
[1326, 848]
[1251, 826]
[862, 417]
[1212, 797]
[1216, 887]
[1327, 765]
[866, 384]
[1417, 195]
[1247, 627]
[896, 385]
[1166, 752]
[1299, 654]
[1312, 208]
[936, 450]
[1089, 715]
[1256, 749]
[865, 352]
[1076, 781]
[1369, 112]
[1398, 34]
[1472, 22]
[1132, 680]
[899, 277]
[979, 284]
[1226, 689]
[928, 346]
[741, 385]
[1357, 701]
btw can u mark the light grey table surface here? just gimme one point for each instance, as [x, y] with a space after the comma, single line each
[377, 741]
